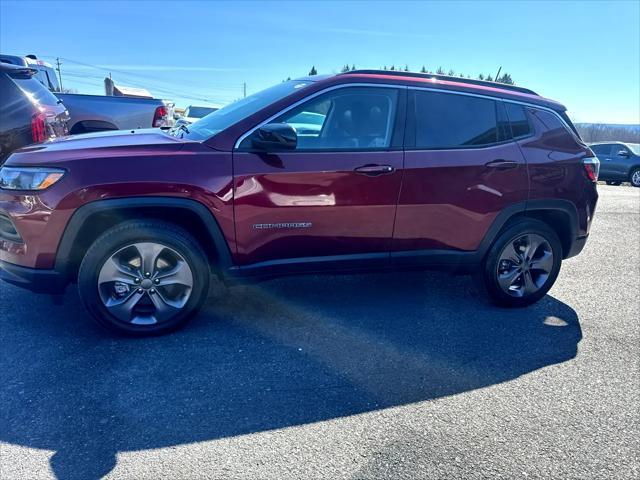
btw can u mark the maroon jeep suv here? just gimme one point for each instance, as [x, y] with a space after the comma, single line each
[362, 171]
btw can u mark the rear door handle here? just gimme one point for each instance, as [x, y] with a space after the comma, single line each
[502, 164]
[372, 170]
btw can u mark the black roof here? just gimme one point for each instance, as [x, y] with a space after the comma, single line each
[448, 78]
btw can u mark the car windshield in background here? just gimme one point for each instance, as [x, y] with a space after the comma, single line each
[33, 89]
[635, 148]
[199, 112]
[234, 112]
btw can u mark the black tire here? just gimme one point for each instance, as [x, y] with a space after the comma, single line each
[137, 231]
[488, 276]
[615, 184]
[634, 177]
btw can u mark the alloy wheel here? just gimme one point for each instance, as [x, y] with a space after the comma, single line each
[524, 265]
[145, 283]
[635, 178]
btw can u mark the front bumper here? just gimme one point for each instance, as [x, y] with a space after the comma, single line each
[35, 279]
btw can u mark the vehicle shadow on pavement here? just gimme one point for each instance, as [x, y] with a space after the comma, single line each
[267, 356]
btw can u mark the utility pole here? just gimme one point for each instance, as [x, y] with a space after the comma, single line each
[244, 90]
[59, 73]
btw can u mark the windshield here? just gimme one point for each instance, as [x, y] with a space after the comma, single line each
[635, 148]
[226, 116]
[199, 112]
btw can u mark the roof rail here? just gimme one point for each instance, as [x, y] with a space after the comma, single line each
[448, 78]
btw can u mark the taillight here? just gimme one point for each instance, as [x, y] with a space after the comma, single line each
[591, 167]
[39, 127]
[161, 117]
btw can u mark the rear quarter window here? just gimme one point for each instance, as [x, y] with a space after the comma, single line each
[34, 90]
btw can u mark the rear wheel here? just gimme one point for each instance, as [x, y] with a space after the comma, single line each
[144, 278]
[523, 264]
[634, 178]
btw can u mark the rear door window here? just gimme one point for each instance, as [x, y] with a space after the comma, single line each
[602, 149]
[448, 121]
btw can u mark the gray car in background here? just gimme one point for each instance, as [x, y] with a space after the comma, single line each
[619, 162]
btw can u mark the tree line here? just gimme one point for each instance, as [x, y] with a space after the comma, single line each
[504, 78]
[602, 132]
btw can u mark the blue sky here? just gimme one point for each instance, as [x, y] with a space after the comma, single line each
[584, 54]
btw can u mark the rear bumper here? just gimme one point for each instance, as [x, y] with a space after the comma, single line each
[34, 279]
[577, 246]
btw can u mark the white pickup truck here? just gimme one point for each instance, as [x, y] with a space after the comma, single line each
[92, 113]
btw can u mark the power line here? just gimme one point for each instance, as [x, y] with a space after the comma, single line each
[234, 86]
[152, 83]
[203, 98]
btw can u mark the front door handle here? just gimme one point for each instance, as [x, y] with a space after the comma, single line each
[501, 164]
[372, 170]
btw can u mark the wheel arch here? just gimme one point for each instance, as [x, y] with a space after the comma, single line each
[94, 218]
[560, 215]
[87, 126]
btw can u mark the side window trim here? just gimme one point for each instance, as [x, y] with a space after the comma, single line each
[401, 106]
[507, 100]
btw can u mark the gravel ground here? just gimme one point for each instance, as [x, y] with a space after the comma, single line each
[382, 376]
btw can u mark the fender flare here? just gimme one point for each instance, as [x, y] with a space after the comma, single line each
[503, 218]
[85, 212]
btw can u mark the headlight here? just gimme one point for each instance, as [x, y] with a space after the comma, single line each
[29, 178]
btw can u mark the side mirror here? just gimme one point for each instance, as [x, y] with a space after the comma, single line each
[275, 136]
[623, 153]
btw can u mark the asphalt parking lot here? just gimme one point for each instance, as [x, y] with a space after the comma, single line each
[381, 376]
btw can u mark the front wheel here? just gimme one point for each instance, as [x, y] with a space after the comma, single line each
[523, 264]
[144, 278]
[634, 178]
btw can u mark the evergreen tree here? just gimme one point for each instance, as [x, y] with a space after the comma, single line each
[345, 68]
[440, 71]
[423, 70]
[353, 67]
[451, 73]
[392, 67]
[481, 77]
[506, 79]
[313, 71]
[406, 68]
[489, 78]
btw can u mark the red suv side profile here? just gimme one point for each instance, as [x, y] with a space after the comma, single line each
[362, 171]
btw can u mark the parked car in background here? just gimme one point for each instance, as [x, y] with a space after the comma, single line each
[407, 171]
[619, 162]
[29, 113]
[193, 113]
[93, 113]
